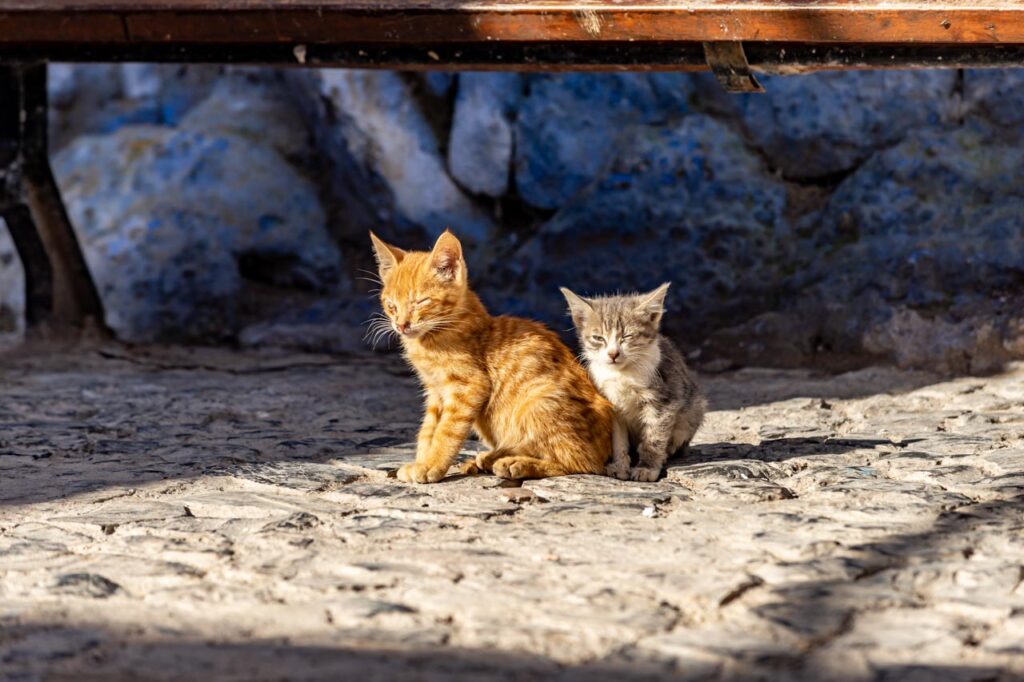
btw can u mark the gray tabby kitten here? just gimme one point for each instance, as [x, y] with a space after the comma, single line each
[657, 400]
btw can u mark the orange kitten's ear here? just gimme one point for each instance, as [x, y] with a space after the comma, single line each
[446, 258]
[653, 302]
[579, 307]
[387, 256]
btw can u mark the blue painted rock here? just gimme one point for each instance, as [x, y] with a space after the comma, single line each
[165, 216]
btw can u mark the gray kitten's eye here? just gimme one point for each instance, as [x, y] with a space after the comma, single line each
[596, 339]
[626, 336]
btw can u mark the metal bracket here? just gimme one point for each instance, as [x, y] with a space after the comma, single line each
[729, 64]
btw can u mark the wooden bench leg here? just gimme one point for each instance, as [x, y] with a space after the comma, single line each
[59, 292]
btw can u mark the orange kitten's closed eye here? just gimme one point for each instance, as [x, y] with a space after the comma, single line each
[511, 380]
[421, 291]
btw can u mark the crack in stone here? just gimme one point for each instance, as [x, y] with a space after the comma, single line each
[845, 627]
[750, 583]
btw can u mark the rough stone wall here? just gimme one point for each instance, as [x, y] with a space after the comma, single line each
[839, 218]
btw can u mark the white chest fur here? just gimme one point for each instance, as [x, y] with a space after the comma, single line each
[626, 387]
[623, 391]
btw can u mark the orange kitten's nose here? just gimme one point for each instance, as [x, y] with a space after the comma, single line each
[403, 327]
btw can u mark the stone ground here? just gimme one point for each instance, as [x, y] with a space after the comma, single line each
[175, 514]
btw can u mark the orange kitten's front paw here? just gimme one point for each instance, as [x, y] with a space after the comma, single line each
[518, 467]
[470, 468]
[414, 472]
[646, 474]
[509, 469]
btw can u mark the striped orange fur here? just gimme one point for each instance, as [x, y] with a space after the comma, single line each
[511, 380]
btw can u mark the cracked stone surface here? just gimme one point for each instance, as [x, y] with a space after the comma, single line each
[170, 514]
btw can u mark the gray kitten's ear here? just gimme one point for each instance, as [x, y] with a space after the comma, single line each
[653, 302]
[579, 307]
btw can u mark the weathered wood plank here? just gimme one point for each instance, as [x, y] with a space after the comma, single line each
[446, 21]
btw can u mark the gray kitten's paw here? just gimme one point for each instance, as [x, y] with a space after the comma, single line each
[645, 474]
[619, 470]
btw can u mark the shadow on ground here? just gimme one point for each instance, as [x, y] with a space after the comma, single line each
[755, 386]
[778, 449]
[58, 654]
[80, 420]
[833, 616]
[911, 577]
[879, 607]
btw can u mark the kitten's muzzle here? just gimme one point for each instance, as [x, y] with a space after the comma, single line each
[410, 331]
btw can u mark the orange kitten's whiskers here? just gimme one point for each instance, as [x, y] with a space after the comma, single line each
[441, 323]
[370, 276]
[378, 328]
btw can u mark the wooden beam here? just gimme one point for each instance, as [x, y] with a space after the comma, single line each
[768, 58]
[192, 22]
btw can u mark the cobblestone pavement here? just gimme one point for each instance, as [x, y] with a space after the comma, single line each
[177, 514]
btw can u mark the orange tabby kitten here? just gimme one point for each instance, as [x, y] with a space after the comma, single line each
[512, 380]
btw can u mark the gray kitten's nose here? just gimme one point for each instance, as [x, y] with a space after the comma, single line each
[613, 355]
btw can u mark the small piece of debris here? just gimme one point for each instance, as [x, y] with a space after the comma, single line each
[296, 521]
[518, 495]
[649, 512]
[86, 585]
